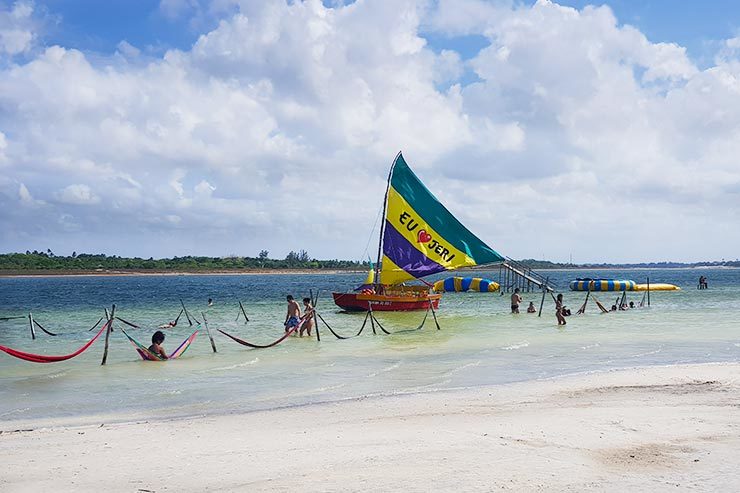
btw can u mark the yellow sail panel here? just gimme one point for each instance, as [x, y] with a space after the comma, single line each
[393, 274]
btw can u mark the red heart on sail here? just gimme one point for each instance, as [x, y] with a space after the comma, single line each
[423, 236]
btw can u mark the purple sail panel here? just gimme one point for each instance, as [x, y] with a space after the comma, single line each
[407, 256]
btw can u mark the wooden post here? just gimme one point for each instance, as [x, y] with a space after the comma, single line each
[314, 302]
[107, 333]
[544, 290]
[205, 322]
[30, 321]
[648, 290]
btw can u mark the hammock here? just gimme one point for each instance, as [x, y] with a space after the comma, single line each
[260, 346]
[147, 355]
[43, 358]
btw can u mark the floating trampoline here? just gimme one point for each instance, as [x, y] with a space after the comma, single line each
[659, 286]
[462, 284]
[603, 285]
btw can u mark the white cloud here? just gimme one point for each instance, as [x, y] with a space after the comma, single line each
[577, 126]
[128, 50]
[17, 29]
[25, 197]
[78, 194]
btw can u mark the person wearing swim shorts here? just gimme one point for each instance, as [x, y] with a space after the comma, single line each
[516, 299]
[293, 316]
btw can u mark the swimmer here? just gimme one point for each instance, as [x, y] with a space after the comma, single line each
[531, 308]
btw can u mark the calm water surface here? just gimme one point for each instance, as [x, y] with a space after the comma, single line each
[480, 342]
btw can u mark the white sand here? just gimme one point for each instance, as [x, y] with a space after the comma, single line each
[658, 429]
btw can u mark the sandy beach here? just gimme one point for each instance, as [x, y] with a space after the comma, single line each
[654, 429]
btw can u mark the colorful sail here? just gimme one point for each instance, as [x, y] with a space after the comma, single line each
[421, 237]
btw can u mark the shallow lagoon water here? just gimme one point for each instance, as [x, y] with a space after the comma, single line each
[480, 342]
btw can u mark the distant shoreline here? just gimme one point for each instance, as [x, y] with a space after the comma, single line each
[126, 273]
[300, 272]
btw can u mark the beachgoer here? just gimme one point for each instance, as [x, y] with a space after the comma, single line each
[308, 314]
[210, 302]
[293, 317]
[559, 309]
[614, 308]
[632, 304]
[516, 299]
[156, 347]
[168, 325]
[531, 308]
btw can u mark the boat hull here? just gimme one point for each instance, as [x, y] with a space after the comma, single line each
[361, 302]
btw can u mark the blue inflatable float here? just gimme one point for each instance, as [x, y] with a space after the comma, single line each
[462, 284]
[602, 285]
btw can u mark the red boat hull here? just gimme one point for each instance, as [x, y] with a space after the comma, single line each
[360, 302]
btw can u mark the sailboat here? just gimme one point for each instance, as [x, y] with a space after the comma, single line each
[419, 237]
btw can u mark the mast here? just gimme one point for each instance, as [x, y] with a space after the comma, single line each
[382, 226]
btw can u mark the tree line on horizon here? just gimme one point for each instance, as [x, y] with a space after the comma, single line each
[35, 260]
[40, 260]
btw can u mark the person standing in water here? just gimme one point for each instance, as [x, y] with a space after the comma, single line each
[559, 310]
[156, 347]
[516, 299]
[293, 316]
[308, 315]
[531, 308]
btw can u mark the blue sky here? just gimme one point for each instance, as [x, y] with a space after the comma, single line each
[548, 128]
[98, 26]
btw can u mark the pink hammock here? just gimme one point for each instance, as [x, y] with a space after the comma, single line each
[43, 358]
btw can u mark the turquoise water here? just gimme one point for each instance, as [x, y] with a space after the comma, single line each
[480, 342]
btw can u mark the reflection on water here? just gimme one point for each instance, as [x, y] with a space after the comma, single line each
[480, 342]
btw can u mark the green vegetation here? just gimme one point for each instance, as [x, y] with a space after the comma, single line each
[34, 261]
[546, 264]
[84, 262]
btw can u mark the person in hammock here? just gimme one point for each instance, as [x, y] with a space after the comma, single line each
[156, 347]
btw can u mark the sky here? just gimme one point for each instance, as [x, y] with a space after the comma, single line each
[606, 131]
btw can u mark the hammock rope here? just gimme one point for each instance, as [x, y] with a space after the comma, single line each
[421, 325]
[128, 323]
[601, 307]
[367, 314]
[43, 358]
[148, 355]
[96, 324]
[264, 346]
[40, 327]
[374, 321]
[242, 312]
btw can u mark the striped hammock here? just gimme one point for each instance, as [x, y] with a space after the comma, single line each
[147, 355]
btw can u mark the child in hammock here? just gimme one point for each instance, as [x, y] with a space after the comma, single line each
[156, 347]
